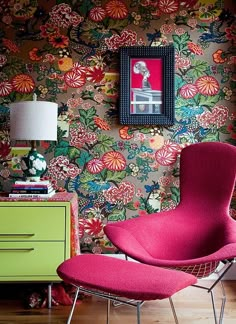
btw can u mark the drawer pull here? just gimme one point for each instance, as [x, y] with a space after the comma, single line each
[15, 234]
[16, 250]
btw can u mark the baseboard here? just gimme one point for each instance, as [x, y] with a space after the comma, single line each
[230, 275]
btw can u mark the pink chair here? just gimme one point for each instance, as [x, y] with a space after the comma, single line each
[199, 233]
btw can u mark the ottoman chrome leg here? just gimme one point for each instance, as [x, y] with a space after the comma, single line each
[73, 306]
[138, 313]
[173, 310]
[108, 310]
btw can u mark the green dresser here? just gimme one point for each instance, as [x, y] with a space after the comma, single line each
[34, 239]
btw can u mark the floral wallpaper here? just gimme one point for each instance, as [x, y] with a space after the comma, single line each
[68, 52]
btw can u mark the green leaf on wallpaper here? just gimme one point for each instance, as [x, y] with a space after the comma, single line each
[73, 153]
[130, 206]
[180, 42]
[84, 157]
[212, 137]
[175, 194]
[86, 117]
[84, 7]
[104, 143]
[117, 215]
[208, 101]
[115, 176]
[224, 130]
[198, 68]
[86, 176]
[116, 24]
[61, 148]
[15, 65]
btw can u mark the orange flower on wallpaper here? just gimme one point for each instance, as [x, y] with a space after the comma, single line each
[124, 133]
[65, 63]
[116, 9]
[23, 83]
[10, 45]
[59, 41]
[114, 161]
[34, 54]
[101, 123]
[194, 48]
[218, 57]
[207, 85]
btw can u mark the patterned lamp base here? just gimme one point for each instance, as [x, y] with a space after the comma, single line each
[33, 165]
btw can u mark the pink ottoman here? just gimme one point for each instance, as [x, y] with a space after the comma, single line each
[113, 278]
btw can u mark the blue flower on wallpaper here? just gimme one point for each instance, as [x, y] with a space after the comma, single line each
[187, 112]
[149, 189]
[98, 186]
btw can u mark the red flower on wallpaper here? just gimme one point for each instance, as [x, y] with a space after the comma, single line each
[114, 161]
[80, 136]
[5, 149]
[165, 157]
[5, 88]
[188, 91]
[97, 14]
[231, 33]
[61, 168]
[215, 118]
[123, 193]
[95, 166]
[62, 16]
[93, 226]
[126, 38]
[74, 79]
[168, 6]
[207, 85]
[171, 147]
[23, 83]
[116, 9]
[95, 74]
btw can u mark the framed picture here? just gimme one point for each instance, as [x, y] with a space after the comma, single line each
[147, 85]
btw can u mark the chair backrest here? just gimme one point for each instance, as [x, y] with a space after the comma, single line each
[207, 175]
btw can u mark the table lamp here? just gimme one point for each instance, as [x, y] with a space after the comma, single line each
[33, 121]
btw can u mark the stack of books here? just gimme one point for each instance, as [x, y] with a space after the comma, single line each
[23, 189]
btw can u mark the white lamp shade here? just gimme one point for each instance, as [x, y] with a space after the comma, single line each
[33, 120]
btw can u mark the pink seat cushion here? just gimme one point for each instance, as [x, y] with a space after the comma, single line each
[123, 278]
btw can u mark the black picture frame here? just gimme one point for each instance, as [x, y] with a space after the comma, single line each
[147, 85]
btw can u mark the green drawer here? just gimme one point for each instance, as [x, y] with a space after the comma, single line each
[32, 223]
[30, 259]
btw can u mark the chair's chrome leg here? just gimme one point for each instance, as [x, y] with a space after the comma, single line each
[73, 306]
[223, 303]
[108, 310]
[138, 313]
[173, 310]
[213, 306]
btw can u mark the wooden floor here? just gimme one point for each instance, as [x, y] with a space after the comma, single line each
[193, 306]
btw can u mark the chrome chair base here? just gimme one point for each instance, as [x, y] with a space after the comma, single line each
[115, 300]
[218, 319]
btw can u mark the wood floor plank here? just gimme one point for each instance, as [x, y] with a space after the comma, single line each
[193, 306]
